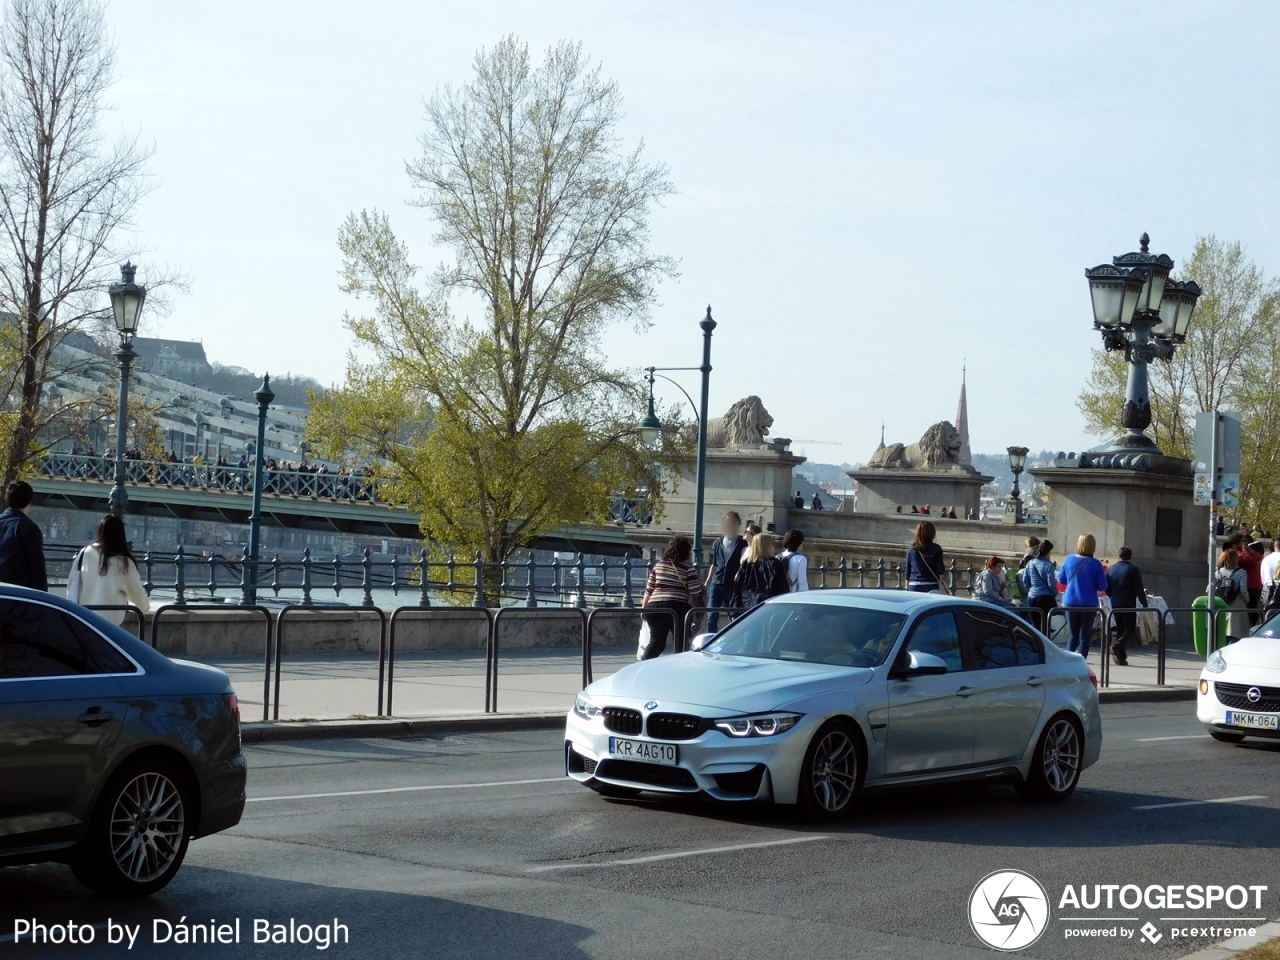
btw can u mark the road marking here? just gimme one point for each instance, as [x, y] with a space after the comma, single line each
[433, 786]
[1189, 736]
[676, 856]
[1194, 803]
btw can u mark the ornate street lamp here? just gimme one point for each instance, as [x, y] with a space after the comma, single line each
[127, 298]
[650, 427]
[1017, 463]
[264, 395]
[1140, 310]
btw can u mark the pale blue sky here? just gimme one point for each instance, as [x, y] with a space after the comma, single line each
[869, 192]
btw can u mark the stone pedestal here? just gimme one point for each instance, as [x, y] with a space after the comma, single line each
[754, 481]
[883, 490]
[1149, 510]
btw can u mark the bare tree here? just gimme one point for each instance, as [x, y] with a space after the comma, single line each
[65, 192]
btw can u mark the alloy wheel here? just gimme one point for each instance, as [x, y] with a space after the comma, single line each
[1061, 759]
[835, 771]
[147, 825]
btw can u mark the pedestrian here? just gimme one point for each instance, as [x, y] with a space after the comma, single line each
[1249, 555]
[817, 500]
[990, 585]
[726, 555]
[797, 563]
[1124, 587]
[1084, 577]
[105, 573]
[21, 542]
[1232, 585]
[1033, 551]
[673, 585]
[1040, 583]
[798, 500]
[1269, 571]
[760, 575]
[951, 514]
[925, 563]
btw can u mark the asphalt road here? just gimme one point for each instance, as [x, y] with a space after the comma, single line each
[480, 848]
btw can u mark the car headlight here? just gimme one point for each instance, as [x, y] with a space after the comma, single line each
[765, 725]
[584, 708]
[1216, 663]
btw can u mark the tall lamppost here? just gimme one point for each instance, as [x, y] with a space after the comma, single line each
[126, 304]
[264, 395]
[1017, 463]
[650, 426]
[1139, 309]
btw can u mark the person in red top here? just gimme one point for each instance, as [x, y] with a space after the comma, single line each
[1249, 556]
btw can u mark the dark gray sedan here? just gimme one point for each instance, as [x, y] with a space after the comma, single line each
[112, 756]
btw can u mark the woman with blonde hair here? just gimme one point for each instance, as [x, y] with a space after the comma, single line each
[1084, 577]
[761, 575]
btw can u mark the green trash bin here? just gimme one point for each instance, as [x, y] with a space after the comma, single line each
[1200, 624]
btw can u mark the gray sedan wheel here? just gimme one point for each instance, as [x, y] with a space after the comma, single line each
[831, 776]
[1055, 767]
[139, 833]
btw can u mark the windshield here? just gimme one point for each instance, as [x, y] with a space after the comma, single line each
[812, 632]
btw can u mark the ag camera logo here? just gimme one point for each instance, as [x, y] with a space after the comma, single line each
[1008, 910]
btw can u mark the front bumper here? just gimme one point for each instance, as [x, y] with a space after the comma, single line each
[756, 768]
[1213, 713]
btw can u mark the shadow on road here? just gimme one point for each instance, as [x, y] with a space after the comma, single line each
[381, 924]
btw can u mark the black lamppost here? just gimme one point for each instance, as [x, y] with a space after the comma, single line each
[1143, 312]
[650, 426]
[1017, 463]
[126, 304]
[264, 395]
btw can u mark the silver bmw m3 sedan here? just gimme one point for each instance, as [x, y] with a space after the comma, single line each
[813, 697]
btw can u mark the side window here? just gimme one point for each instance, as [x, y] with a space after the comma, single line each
[40, 641]
[937, 634]
[991, 639]
[1028, 647]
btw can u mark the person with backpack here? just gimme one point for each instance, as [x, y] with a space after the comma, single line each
[1124, 587]
[1231, 583]
[760, 575]
[674, 586]
[1084, 577]
[1039, 579]
[105, 573]
[726, 554]
[925, 563]
[795, 562]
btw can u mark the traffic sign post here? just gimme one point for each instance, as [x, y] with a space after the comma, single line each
[1217, 482]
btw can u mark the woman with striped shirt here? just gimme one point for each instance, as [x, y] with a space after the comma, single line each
[673, 585]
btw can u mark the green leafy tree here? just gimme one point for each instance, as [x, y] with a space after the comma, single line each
[499, 429]
[1231, 361]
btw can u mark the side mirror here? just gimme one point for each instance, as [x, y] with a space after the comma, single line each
[701, 641]
[922, 665]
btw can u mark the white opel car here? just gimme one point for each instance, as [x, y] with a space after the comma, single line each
[1240, 687]
[811, 697]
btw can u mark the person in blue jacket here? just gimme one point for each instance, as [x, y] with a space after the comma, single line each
[1084, 577]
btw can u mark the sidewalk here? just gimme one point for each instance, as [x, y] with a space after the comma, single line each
[451, 684]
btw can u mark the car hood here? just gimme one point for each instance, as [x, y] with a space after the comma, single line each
[724, 684]
[1253, 652]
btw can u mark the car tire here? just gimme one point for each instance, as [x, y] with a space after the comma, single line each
[832, 772]
[1226, 737]
[612, 792]
[1056, 763]
[139, 831]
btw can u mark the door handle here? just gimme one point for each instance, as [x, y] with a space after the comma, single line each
[1034, 681]
[95, 717]
[964, 692]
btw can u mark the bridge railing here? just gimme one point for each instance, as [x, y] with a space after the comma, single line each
[438, 578]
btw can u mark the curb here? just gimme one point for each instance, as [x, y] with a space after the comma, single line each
[1148, 695]
[381, 729]
[1237, 945]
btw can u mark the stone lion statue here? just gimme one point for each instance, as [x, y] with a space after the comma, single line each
[745, 425]
[939, 447]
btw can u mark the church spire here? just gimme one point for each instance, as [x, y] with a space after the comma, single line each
[962, 419]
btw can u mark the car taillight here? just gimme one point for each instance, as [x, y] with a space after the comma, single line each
[233, 704]
[1093, 678]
